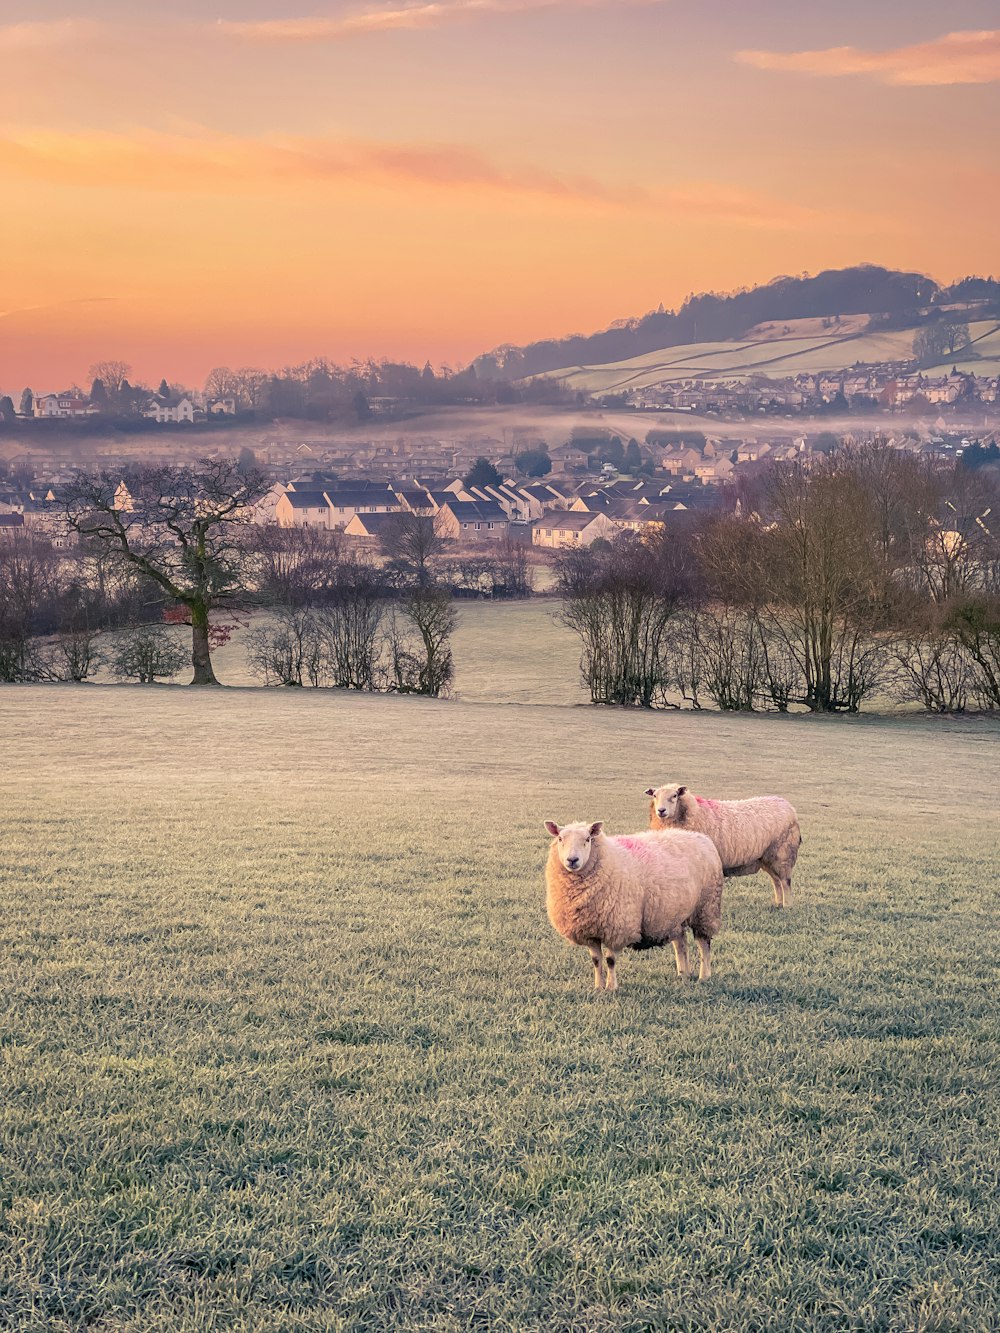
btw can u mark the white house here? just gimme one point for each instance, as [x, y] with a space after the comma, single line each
[160, 409]
[61, 405]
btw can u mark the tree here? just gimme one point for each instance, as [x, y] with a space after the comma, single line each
[250, 386]
[956, 334]
[632, 461]
[410, 542]
[620, 602]
[482, 473]
[27, 403]
[7, 412]
[189, 531]
[533, 462]
[112, 374]
[424, 664]
[221, 383]
[99, 395]
[360, 404]
[164, 390]
[147, 653]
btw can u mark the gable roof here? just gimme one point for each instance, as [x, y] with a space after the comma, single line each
[566, 520]
[469, 511]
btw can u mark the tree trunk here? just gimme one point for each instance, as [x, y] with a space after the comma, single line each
[201, 656]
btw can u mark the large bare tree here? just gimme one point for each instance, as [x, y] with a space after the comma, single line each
[188, 529]
[112, 374]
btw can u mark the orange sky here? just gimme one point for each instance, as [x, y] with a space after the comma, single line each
[429, 180]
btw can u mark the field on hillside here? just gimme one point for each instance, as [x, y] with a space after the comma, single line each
[288, 1042]
[774, 357]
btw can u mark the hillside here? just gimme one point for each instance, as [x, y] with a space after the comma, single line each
[899, 301]
[777, 357]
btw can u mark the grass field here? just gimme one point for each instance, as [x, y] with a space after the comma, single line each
[288, 1043]
[774, 357]
[505, 652]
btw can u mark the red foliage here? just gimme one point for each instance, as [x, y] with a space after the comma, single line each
[218, 634]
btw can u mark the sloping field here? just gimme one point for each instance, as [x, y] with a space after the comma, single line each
[288, 1043]
[776, 357]
[981, 357]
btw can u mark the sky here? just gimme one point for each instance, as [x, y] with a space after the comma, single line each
[188, 185]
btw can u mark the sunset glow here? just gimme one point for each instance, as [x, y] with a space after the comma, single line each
[252, 185]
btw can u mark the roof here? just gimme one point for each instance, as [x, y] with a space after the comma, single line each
[11, 520]
[566, 520]
[306, 499]
[376, 524]
[356, 499]
[467, 511]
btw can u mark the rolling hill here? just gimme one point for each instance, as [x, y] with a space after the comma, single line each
[777, 358]
[827, 322]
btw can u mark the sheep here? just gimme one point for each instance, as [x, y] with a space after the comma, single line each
[759, 834]
[637, 891]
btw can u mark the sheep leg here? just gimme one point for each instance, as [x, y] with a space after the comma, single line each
[705, 950]
[681, 955]
[777, 881]
[597, 959]
[611, 961]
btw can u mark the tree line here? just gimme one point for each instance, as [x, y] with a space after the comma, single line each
[870, 573]
[178, 546]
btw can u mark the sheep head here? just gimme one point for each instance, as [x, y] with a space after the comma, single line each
[575, 843]
[666, 801]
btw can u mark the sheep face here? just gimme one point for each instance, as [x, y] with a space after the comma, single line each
[665, 800]
[575, 843]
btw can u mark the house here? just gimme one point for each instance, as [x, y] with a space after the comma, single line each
[170, 409]
[416, 501]
[62, 405]
[11, 525]
[302, 509]
[344, 504]
[264, 511]
[222, 407]
[371, 528]
[679, 461]
[559, 528]
[471, 521]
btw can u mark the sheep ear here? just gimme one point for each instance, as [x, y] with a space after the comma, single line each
[650, 791]
[552, 828]
[596, 828]
[682, 791]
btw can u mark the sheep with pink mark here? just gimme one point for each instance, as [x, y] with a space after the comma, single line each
[758, 834]
[637, 891]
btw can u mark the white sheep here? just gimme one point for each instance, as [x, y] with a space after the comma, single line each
[759, 834]
[636, 891]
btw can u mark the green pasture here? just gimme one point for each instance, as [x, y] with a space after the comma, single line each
[288, 1042]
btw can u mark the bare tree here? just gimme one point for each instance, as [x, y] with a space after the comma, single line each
[222, 383]
[188, 531]
[422, 662]
[147, 653]
[411, 544]
[620, 603]
[295, 566]
[112, 374]
[250, 384]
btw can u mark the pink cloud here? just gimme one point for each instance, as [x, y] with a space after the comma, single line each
[211, 163]
[957, 57]
[434, 14]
